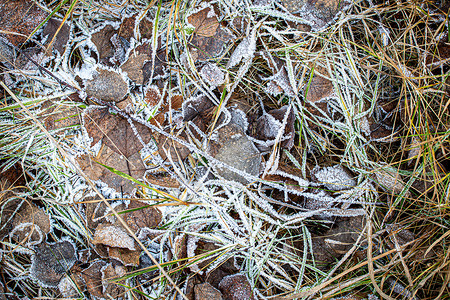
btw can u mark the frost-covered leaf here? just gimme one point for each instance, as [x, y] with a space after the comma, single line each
[334, 178]
[102, 40]
[244, 51]
[169, 147]
[69, 286]
[30, 224]
[125, 256]
[93, 278]
[206, 291]
[107, 85]
[320, 87]
[141, 215]
[51, 261]
[61, 38]
[236, 287]
[20, 18]
[234, 148]
[111, 288]
[115, 131]
[7, 53]
[134, 66]
[390, 180]
[400, 235]
[209, 37]
[269, 124]
[318, 13]
[212, 75]
[113, 236]
[154, 69]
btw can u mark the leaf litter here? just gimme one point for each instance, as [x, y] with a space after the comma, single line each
[182, 119]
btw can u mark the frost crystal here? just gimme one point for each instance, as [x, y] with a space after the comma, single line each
[212, 75]
[244, 51]
[334, 178]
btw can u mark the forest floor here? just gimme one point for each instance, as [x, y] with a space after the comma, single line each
[231, 149]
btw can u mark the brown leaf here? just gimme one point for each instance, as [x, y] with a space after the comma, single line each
[132, 166]
[134, 66]
[20, 16]
[141, 216]
[57, 116]
[28, 221]
[115, 131]
[162, 179]
[208, 38]
[94, 211]
[60, 41]
[93, 278]
[236, 287]
[206, 291]
[440, 57]
[169, 147]
[125, 256]
[113, 236]
[268, 126]
[290, 182]
[319, 12]
[158, 67]
[111, 288]
[107, 86]
[51, 261]
[320, 87]
[126, 29]
[102, 40]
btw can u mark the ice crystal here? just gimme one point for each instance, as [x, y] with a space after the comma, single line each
[334, 178]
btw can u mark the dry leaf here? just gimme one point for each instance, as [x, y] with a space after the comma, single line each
[134, 66]
[93, 278]
[208, 38]
[60, 41]
[107, 86]
[318, 12]
[390, 180]
[125, 256]
[169, 147]
[320, 87]
[334, 178]
[162, 179]
[51, 261]
[234, 148]
[132, 166]
[236, 287]
[29, 222]
[153, 70]
[113, 236]
[126, 29]
[115, 131]
[102, 40]
[20, 16]
[141, 216]
[111, 288]
[95, 211]
[206, 291]
[212, 75]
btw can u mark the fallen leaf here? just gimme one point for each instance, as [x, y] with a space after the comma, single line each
[125, 256]
[7, 54]
[107, 85]
[127, 26]
[132, 166]
[334, 178]
[115, 131]
[141, 216]
[320, 87]
[212, 75]
[20, 18]
[319, 13]
[269, 124]
[94, 211]
[169, 147]
[209, 37]
[234, 148]
[111, 288]
[70, 286]
[439, 57]
[102, 40]
[162, 179]
[236, 287]
[390, 180]
[93, 278]
[153, 70]
[399, 235]
[113, 236]
[51, 261]
[29, 223]
[206, 291]
[60, 41]
[134, 66]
